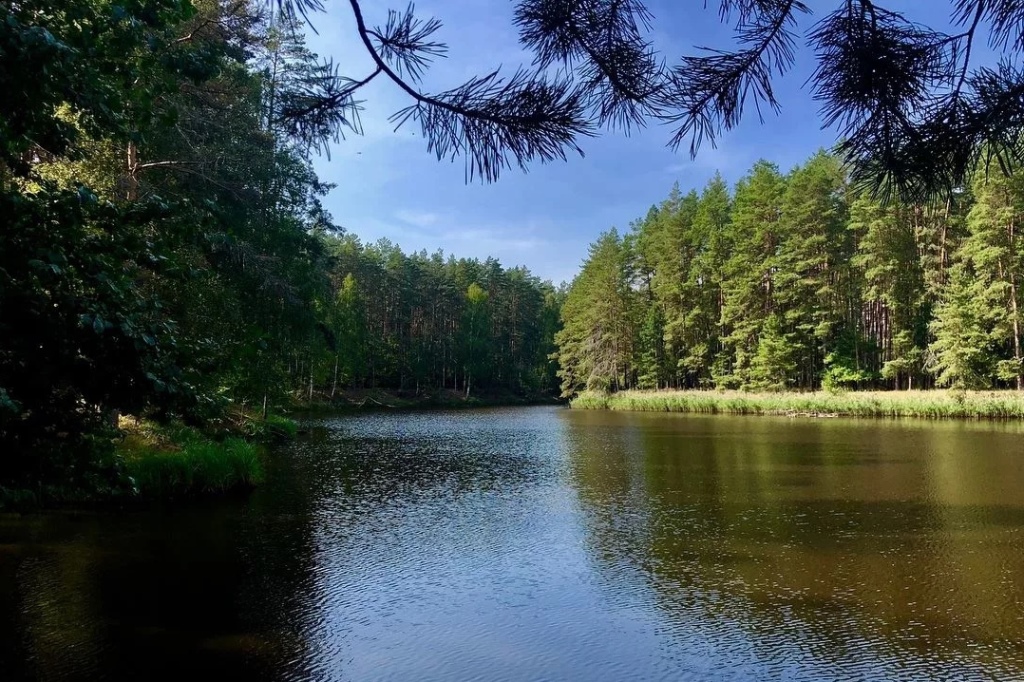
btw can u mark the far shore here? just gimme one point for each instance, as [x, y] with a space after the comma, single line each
[925, 404]
[357, 400]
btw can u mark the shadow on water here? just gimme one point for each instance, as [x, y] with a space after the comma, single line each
[539, 543]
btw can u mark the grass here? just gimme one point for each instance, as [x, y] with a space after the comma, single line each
[253, 427]
[149, 461]
[177, 461]
[932, 404]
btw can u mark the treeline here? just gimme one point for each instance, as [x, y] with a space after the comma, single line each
[423, 323]
[164, 251]
[798, 281]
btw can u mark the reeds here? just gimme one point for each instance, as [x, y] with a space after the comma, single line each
[932, 404]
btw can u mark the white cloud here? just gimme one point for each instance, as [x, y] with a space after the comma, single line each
[417, 218]
[490, 241]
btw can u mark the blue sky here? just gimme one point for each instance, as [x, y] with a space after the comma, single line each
[388, 185]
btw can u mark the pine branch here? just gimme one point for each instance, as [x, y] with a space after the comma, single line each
[709, 92]
[1006, 18]
[322, 106]
[405, 42]
[491, 120]
[295, 9]
[602, 41]
[913, 113]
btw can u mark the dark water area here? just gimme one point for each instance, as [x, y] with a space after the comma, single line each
[548, 544]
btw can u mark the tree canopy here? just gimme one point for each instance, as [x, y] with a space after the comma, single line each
[914, 113]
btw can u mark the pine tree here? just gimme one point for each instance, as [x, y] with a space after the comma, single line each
[994, 251]
[749, 287]
[351, 335]
[595, 344]
[476, 333]
[960, 352]
[774, 364]
[650, 363]
[895, 315]
[703, 325]
[810, 262]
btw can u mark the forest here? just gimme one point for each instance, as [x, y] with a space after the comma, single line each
[166, 253]
[798, 281]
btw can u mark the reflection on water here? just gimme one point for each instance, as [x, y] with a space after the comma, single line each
[540, 543]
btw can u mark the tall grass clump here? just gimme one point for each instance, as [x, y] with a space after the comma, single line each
[273, 427]
[178, 461]
[929, 404]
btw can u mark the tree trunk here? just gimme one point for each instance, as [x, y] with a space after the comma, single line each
[1016, 317]
[334, 384]
[132, 188]
[942, 244]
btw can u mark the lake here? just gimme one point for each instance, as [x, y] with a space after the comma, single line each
[549, 544]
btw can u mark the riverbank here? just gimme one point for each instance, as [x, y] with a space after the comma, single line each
[931, 404]
[176, 461]
[357, 400]
[148, 462]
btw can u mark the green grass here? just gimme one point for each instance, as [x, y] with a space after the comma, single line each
[251, 425]
[934, 404]
[178, 461]
[149, 461]
[280, 426]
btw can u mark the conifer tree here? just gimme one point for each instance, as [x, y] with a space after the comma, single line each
[811, 260]
[994, 252]
[894, 288]
[749, 286]
[596, 341]
[960, 350]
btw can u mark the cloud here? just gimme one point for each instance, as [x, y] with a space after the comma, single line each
[710, 159]
[417, 218]
[490, 241]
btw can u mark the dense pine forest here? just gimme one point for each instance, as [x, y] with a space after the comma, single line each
[796, 281]
[165, 252]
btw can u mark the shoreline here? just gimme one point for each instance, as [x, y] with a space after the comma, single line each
[923, 404]
[378, 399]
[149, 463]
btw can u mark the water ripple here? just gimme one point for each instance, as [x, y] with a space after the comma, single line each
[541, 544]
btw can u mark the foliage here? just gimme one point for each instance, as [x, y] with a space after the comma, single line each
[596, 344]
[421, 323]
[773, 363]
[962, 359]
[841, 371]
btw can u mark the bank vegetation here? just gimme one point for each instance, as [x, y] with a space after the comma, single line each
[928, 404]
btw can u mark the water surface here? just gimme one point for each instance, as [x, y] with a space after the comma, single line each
[547, 544]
